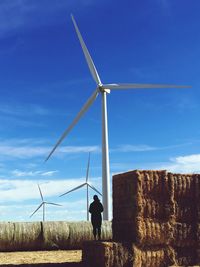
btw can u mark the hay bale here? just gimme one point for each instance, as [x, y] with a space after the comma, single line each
[150, 232]
[82, 231]
[184, 211]
[27, 236]
[184, 235]
[98, 254]
[184, 185]
[79, 232]
[142, 193]
[6, 236]
[155, 256]
[55, 235]
[113, 254]
[106, 231]
[143, 231]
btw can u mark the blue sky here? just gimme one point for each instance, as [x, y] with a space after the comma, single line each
[44, 81]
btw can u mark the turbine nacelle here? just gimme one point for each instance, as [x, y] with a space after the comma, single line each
[102, 89]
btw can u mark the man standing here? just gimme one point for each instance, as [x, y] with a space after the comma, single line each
[96, 208]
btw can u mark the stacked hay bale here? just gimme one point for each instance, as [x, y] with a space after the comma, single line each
[185, 196]
[142, 207]
[146, 212]
[155, 222]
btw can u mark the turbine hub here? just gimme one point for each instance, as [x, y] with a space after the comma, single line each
[103, 89]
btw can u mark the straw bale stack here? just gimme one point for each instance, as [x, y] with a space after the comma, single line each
[113, 254]
[6, 236]
[27, 236]
[55, 235]
[139, 192]
[144, 231]
[151, 232]
[143, 207]
[157, 217]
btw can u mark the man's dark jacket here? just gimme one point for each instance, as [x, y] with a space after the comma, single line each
[95, 209]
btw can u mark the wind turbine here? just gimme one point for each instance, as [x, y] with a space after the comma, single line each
[87, 186]
[43, 204]
[103, 89]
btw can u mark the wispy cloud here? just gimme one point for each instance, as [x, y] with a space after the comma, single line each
[23, 14]
[19, 173]
[144, 148]
[15, 109]
[27, 148]
[18, 114]
[133, 148]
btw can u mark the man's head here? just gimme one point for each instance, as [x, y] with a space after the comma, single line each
[95, 197]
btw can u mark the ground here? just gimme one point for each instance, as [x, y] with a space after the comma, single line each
[71, 257]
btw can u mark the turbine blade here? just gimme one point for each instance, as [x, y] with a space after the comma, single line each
[141, 86]
[40, 193]
[37, 209]
[51, 203]
[87, 55]
[92, 187]
[73, 189]
[77, 118]
[88, 167]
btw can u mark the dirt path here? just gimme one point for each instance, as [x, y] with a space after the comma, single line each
[41, 257]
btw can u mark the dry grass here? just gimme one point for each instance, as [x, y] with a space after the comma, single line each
[39, 257]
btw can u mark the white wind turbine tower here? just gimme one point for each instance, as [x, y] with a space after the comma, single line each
[103, 89]
[87, 184]
[43, 203]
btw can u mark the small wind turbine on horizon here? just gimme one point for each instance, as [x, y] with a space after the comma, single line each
[87, 184]
[43, 204]
[103, 89]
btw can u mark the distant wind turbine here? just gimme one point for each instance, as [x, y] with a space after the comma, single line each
[43, 204]
[103, 89]
[87, 186]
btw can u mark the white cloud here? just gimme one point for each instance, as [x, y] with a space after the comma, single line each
[24, 151]
[183, 164]
[19, 198]
[20, 190]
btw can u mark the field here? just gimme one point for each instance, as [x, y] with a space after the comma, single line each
[67, 258]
